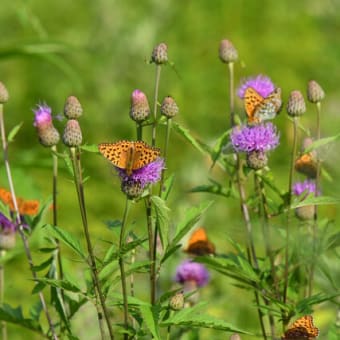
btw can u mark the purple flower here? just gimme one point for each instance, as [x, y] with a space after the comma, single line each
[306, 187]
[43, 116]
[261, 84]
[192, 271]
[149, 174]
[6, 225]
[263, 137]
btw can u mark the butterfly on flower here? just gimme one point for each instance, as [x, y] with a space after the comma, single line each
[25, 207]
[128, 155]
[306, 164]
[302, 329]
[259, 108]
[199, 243]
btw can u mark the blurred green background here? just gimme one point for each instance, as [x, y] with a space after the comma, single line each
[98, 51]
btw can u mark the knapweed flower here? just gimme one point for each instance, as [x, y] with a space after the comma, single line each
[263, 137]
[192, 272]
[227, 52]
[303, 189]
[261, 84]
[160, 54]
[133, 184]
[47, 133]
[139, 109]
[7, 233]
[306, 187]
[296, 105]
[315, 93]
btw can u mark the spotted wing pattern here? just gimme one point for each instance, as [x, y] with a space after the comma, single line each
[199, 243]
[302, 328]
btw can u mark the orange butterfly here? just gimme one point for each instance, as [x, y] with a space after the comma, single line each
[259, 108]
[128, 155]
[26, 207]
[306, 164]
[199, 244]
[302, 329]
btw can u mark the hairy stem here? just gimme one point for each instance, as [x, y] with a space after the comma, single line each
[75, 157]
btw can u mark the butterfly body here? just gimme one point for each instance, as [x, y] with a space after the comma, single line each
[258, 108]
[199, 243]
[128, 155]
[303, 328]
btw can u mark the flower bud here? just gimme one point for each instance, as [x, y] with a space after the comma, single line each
[305, 213]
[4, 96]
[296, 104]
[169, 107]
[140, 109]
[177, 301]
[227, 52]
[160, 54]
[315, 93]
[132, 189]
[73, 108]
[235, 336]
[7, 241]
[48, 136]
[257, 160]
[72, 133]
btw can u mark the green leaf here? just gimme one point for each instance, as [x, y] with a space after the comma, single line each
[14, 132]
[162, 219]
[214, 188]
[321, 142]
[90, 148]
[63, 284]
[70, 240]
[43, 265]
[167, 185]
[320, 200]
[186, 134]
[15, 316]
[190, 317]
[150, 316]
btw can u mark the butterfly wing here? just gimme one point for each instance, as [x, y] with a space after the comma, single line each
[302, 328]
[144, 154]
[29, 207]
[199, 244]
[307, 165]
[269, 107]
[252, 99]
[117, 153]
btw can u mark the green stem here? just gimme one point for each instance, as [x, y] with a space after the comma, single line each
[19, 222]
[2, 294]
[75, 157]
[289, 201]
[139, 131]
[121, 266]
[315, 218]
[231, 94]
[154, 126]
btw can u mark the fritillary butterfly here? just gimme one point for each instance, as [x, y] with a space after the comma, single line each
[199, 244]
[259, 108]
[306, 164]
[303, 328]
[128, 155]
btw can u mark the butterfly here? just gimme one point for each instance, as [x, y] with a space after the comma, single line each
[25, 207]
[306, 164]
[259, 108]
[129, 156]
[303, 328]
[199, 244]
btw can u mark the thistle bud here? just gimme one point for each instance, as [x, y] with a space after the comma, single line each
[132, 189]
[177, 301]
[48, 136]
[235, 336]
[140, 109]
[169, 107]
[72, 133]
[72, 108]
[227, 52]
[4, 96]
[305, 213]
[257, 160]
[315, 93]
[296, 104]
[160, 54]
